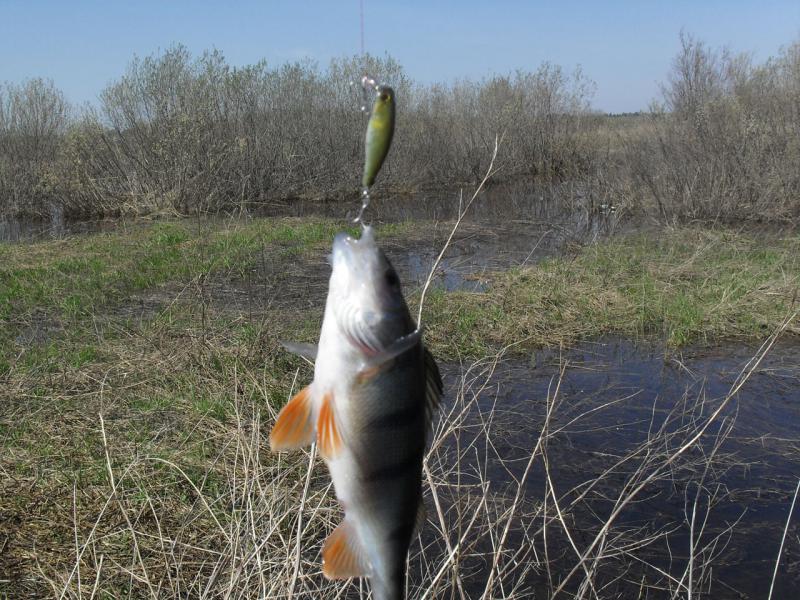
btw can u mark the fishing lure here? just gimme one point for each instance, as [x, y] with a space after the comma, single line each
[380, 130]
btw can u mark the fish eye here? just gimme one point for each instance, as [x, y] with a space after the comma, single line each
[391, 277]
[384, 96]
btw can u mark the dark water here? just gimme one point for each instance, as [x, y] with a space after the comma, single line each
[55, 227]
[505, 226]
[474, 251]
[567, 206]
[569, 209]
[613, 397]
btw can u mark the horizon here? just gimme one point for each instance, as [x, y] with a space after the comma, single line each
[625, 48]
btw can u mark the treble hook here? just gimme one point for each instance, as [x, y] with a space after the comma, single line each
[368, 84]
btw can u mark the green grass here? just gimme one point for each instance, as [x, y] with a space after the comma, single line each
[84, 273]
[69, 282]
[680, 287]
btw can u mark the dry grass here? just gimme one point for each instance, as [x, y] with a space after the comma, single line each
[250, 524]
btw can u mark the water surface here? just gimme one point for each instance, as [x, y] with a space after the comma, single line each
[615, 395]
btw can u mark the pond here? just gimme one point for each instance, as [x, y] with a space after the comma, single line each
[618, 410]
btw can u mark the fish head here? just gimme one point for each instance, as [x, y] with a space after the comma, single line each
[368, 302]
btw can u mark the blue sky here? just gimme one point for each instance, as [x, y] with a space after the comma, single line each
[624, 46]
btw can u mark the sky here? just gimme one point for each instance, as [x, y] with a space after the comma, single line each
[625, 47]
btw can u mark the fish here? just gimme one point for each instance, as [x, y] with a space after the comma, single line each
[369, 408]
[380, 131]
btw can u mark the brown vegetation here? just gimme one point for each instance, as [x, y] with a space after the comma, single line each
[725, 143]
[195, 134]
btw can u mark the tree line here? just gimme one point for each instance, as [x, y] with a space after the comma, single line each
[191, 134]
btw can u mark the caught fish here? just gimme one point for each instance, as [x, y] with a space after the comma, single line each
[369, 408]
[380, 130]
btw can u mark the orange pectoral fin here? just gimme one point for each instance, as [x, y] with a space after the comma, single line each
[328, 438]
[342, 556]
[370, 372]
[294, 427]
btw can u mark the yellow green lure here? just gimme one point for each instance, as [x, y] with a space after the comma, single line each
[379, 134]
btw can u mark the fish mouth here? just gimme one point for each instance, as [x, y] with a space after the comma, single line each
[348, 248]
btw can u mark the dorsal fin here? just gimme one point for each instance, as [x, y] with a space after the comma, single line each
[294, 427]
[433, 385]
[308, 351]
[342, 555]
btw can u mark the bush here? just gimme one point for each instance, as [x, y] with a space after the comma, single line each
[725, 142]
[186, 134]
[34, 117]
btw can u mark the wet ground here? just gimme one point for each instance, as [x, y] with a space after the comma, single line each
[618, 400]
[505, 225]
[57, 226]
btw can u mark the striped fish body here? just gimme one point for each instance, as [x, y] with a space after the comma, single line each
[369, 408]
[377, 475]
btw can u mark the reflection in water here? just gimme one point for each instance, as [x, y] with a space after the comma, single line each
[616, 397]
[571, 210]
[57, 226]
[506, 226]
[570, 206]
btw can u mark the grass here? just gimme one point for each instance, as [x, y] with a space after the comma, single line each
[85, 273]
[170, 331]
[683, 287]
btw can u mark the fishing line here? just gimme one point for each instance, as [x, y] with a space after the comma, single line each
[367, 84]
[361, 13]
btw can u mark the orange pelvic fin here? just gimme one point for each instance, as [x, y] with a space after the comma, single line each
[294, 427]
[328, 437]
[342, 556]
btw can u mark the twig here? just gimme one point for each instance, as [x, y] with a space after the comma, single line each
[783, 539]
[311, 457]
[461, 213]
